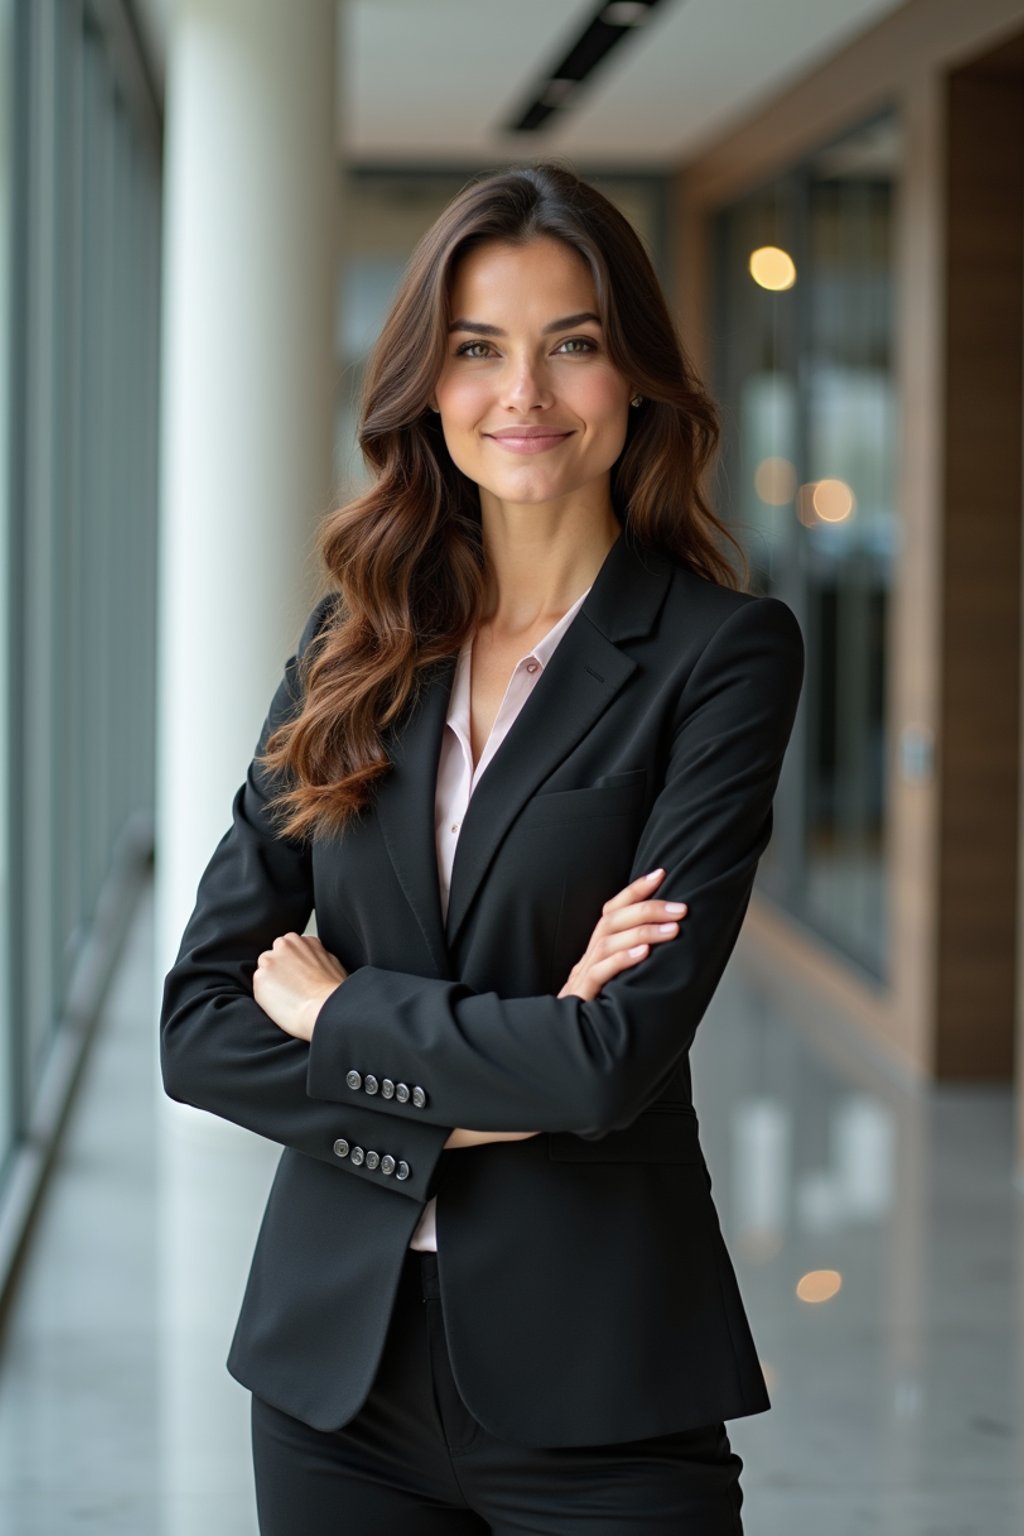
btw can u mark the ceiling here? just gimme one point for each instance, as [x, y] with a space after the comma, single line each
[426, 82]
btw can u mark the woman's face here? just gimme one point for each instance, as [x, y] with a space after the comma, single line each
[526, 349]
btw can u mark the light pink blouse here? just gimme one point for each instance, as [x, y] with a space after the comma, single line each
[456, 780]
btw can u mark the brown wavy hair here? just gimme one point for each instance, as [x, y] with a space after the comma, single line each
[406, 557]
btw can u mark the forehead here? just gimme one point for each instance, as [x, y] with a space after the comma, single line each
[539, 276]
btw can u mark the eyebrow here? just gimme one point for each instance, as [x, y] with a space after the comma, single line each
[556, 325]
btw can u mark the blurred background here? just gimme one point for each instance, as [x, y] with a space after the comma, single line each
[205, 208]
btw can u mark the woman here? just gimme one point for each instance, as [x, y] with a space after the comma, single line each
[521, 766]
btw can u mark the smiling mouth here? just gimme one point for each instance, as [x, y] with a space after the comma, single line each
[534, 443]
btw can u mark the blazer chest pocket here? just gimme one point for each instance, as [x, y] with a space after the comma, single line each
[664, 1134]
[614, 794]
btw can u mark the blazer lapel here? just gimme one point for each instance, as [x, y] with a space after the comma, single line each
[586, 671]
[404, 805]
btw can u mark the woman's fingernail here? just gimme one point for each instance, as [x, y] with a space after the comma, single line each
[637, 950]
[675, 906]
[653, 873]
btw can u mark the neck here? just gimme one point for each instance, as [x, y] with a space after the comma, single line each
[535, 572]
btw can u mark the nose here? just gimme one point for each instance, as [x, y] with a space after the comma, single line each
[525, 385]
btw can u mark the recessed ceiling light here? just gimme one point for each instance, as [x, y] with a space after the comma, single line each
[558, 88]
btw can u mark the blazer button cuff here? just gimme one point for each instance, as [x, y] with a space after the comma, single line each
[370, 1084]
[341, 1147]
[358, 1155]
[403, 1170]
[387, 1163]
[372, 1159]
[402, 1092]
[419, 1098]
[387, 1088]
[353, 1079]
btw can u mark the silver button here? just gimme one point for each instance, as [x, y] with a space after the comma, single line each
[402, 1093]
[370, 1084]
[353, 1079]
[387, 1088]
[372, 1159]
[358, 1155]
[341, 1147]
[419, 1098]
[387, 1163]
[403, 1170]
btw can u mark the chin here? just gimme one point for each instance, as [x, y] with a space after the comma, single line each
[513, 496]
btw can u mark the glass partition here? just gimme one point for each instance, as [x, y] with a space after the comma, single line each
[80, 187]
[803, 364]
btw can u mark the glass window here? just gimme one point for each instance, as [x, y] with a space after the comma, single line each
[79, 317]
[804, 374]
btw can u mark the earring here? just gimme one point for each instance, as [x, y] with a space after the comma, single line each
[436, 410]
[637, 400]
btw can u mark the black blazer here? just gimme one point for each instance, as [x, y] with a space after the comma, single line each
[587, 1291]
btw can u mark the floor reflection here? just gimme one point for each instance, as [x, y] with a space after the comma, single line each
[875, 1229]
[897, 1399]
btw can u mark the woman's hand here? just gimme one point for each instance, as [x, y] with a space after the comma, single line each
[296, 975]
[629, 924]
[292, 981]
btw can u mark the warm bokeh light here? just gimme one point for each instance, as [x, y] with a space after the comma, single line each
[819, 1285]
[772, 268]
[833, 500]
[775, 481]
[824, 501]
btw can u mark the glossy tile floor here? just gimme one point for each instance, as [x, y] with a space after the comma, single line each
[898, 1402]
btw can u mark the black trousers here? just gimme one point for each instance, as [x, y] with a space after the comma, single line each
[414, 1461]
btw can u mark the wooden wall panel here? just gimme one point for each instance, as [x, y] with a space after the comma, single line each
[981, 583]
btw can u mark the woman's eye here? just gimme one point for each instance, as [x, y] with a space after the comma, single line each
[571, 341]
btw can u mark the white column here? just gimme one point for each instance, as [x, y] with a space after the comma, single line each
[248, 379]
[250, 250]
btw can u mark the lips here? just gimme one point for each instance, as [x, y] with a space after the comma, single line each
[528, 442]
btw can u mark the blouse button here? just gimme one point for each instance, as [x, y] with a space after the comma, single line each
[531, 666]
